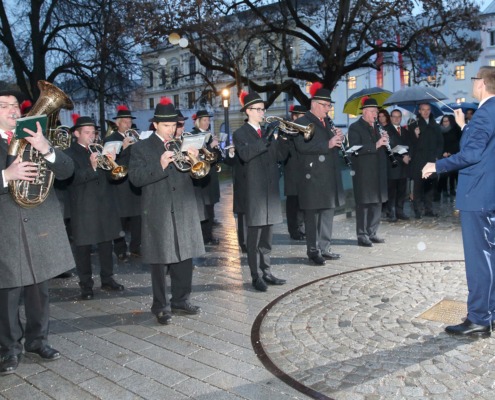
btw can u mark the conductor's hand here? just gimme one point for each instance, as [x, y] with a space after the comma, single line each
[166, 159]
[37, 140]
[459, 117]
[21, 170]
[428, 169]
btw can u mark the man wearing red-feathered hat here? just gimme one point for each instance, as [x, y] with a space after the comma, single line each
[171, 226]
[320, 188]
[128, 196]
[370, 173]
[260, 155]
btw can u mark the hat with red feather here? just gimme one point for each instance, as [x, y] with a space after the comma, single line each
[201, 114]
[165, 111]
[318, 92]
[297, 109]
[81, 121]
[123, 112]
[25, 106]
[248, 99]
[367, 102]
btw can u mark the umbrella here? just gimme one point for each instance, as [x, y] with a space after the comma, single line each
[353, 103]
[463, 105]
[415, 95]
[413, 108]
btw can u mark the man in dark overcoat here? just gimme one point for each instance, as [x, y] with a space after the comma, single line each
[293, 212]
[95, 219]
[426, 145]
[370, 173]
[34, 246]
[397, 177]
[127, 195]
[320, 187]
[263, 206]
[209, 185]
[171, 225]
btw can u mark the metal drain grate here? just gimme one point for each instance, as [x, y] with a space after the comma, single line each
[446, 311]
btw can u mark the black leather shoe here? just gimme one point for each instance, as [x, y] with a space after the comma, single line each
[467, 328]
[392, 219]
[297, 236]
[87, 293]
[365, 242]
[65, 275]
[403, 217]
[163, 318]
[212, 242]
[316, 258]
[9, 364]
[186, 308]
[112, 285]
[376, 239]
[46, 353]
[135, 254]
[431, 214]
[243, 248]
[272, 280]
[123, 257]
[328, 255]
[417, 215]
[260, 285]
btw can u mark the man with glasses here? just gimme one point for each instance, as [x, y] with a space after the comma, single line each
[319, 181]
[476, 201]
[260, 155]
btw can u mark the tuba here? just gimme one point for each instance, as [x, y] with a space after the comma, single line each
[111, 127]
[31, 194]
[291, 128]
[186, 162]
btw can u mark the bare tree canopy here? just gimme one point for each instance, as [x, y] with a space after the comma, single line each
[333, 37]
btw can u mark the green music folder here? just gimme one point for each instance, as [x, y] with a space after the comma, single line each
[30, 123]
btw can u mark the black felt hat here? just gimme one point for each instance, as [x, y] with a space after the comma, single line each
[201, 114]
[82, 121]
[318, 92]
[248, 99]
[165, 111]
[298, 109]
[368, 102]
[11, 92]
[123, 112]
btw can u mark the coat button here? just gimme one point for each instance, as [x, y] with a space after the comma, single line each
[25, 219]
[173, 189]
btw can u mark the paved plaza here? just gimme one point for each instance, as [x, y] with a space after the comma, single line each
[352, 329]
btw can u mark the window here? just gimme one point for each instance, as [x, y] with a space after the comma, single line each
[251, 65]
[491, 63]
[175, 76]
[176, 101]
[270, 58]
[151, 103]
[459, 72]
[460, 100]
[150, 77]
[351, 82]
[192, 67]
[406, 78]
[191, 99]
[492, 38]
[163, 77]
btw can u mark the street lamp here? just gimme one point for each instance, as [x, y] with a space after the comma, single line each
[226, 101]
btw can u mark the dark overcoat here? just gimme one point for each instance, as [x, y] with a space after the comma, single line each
[210, 184]
[260, 157]
[319, 177]
[399, 172]
[291, 170]
[370, 165]
[34, 245]
[128, 196]
[238, 182]
[94, 213]
[428, 147]
[171, 229]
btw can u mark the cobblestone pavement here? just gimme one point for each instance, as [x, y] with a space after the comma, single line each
[356, 335]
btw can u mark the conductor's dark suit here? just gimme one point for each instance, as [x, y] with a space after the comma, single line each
[476, 202]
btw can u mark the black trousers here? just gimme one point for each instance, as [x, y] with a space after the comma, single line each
[134, 224]
[367, 219]
[295, 217]
[259, 248]
[36, 303]
[397, 193]
[180, 285]
[423, 192]
[207, 224]
[83, 263]
[241, 229]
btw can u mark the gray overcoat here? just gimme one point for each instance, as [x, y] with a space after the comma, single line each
[171, 230]
[260, 157]
[34, 246]
[319, 177]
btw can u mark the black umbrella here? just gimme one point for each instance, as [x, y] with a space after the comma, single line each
[415, 95]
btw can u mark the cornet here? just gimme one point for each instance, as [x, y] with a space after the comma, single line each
[133, 134]
[106, 163]
[186, 162]
[291, 128]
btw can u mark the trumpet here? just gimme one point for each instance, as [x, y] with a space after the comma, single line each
[390, 154]
[291, 128]
[186, 162]
[332, 127]
[133, 134]
[106, 163]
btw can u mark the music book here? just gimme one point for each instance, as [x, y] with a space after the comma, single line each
[400, 149]
[29, 123]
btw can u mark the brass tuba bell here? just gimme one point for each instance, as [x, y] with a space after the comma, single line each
[31, 194]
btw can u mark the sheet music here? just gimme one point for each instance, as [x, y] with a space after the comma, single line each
[193, 142]
[353, 149]
[400, 149]
[113, 147]
[145, 134]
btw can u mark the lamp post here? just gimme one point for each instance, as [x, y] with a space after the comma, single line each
[226, 101]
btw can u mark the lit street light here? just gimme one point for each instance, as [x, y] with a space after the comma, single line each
[226, 101]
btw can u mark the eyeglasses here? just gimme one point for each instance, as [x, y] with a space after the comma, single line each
[4, 106]
[326, 105]
[179, 125]
[258, 109]
[475, 78]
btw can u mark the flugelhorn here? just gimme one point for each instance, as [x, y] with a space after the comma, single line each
[291, 128]
[133, 134]
[106, 163]
[60, 137]
[185, 162]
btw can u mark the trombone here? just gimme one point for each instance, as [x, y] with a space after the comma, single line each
[106, 163]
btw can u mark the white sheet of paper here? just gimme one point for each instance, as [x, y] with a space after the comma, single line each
[399, 149]
[145, 134]
[112, 147]
[353, 149]
[192, 142]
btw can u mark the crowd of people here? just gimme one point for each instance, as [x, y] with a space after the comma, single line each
[167, 212]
